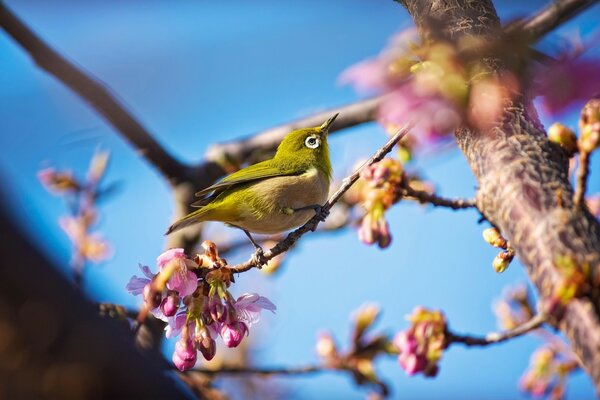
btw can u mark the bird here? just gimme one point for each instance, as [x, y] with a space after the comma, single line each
[272, 196]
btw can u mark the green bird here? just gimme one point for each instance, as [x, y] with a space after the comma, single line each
[274, 195]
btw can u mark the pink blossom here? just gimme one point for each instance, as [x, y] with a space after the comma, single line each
[432, 115]
[182, 279]
[175, 325]
[375, 230]
[233, 333]
[563, 83]
[136, 285]
[185, 355]
[248, 307]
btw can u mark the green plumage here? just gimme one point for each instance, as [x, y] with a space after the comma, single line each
[267, 197]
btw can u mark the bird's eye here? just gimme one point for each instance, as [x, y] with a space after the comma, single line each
[312, 142]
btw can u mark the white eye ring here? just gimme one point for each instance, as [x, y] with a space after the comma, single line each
[312, 142]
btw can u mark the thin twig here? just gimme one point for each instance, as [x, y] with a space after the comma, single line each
[309, 369]
[424, 197]
[582, 178]
[497, 337]
[311, 225]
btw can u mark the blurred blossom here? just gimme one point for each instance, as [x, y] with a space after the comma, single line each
[565, 82]
[547, 373]
[57, 182]
[191, 295]
[81, 197]
[589, 126]
[326, 347]
[421, 346]
[514, 308]
[429, 86]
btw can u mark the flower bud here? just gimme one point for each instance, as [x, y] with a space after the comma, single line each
[170, 305]
[502, 261]
[589, 126]
[184, 356]
[365, 317]
[564, 137]
[326, 347]
[233, 333]
[208, 348]
[494, 238]
[218, 311]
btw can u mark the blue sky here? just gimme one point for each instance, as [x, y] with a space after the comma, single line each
[201, 72]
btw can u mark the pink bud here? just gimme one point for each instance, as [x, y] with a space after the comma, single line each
[218, 311]
[385, 237]
[233, 333]
[170, 305]
[412, 363]
[208, 348]
[184, 356]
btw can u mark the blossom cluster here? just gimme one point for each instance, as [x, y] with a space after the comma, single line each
[547, 374]
[514, 307]
[191, 295]
[421, 346]
[81, 196]
[439, 86]
[377, 195]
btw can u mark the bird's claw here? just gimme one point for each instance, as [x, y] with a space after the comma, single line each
[321, 213]
[258, 258]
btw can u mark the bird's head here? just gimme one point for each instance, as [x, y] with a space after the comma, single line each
[307, 146]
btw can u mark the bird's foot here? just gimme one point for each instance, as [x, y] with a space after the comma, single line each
[320, 212]
[258, 258]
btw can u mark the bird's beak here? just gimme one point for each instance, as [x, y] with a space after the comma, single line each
[327, 124]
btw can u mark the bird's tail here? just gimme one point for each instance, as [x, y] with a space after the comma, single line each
[188, 220]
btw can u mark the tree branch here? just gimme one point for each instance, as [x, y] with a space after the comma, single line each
[496, 337]
[582, 178]
[431, 198]
[524, 188]
[308, 369]
[311, 225]
[94, 93]
[349, 115]
[550, 17]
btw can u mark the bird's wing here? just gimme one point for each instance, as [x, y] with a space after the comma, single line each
[255, 172]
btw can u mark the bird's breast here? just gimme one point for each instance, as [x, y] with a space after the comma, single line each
[273, 198]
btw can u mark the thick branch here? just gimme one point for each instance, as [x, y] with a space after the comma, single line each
[496, 337]
[350, 115]
[94, 93]
[311, 225]
[524, 188]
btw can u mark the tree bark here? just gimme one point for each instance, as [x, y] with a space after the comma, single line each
[523, 184]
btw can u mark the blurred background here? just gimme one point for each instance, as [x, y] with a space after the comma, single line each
[200, 72]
